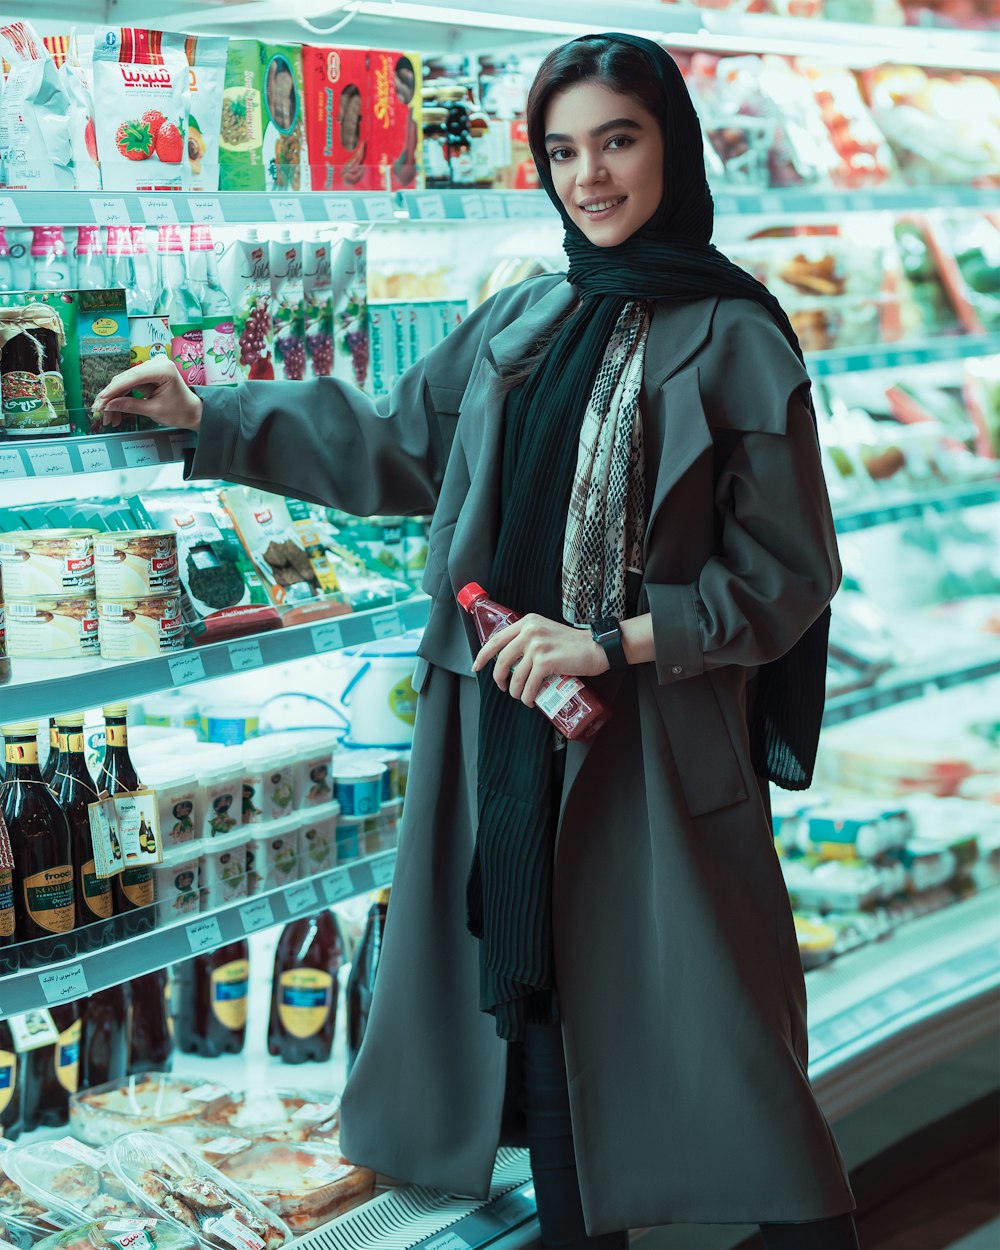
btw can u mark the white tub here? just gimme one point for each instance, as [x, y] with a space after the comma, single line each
[222, 870]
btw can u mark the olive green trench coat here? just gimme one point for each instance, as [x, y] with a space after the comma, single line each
[677, 966]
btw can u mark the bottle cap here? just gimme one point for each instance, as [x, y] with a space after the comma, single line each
[70, 719]
[469, 594]
[20, 729]
[115, 709]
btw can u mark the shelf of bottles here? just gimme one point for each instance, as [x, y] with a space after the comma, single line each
[947, 499]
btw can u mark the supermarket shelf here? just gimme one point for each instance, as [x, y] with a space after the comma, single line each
[901, 355]
[42, 687]
[95, 453]
[903, 684]
[69, 975]
[948, 499]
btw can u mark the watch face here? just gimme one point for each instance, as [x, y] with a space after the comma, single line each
[605, 629]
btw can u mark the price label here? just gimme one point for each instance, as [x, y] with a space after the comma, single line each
[9, 215]
[315, 1112]
[203, 935]
[383, 871]
[876, 360]
[493, 207]
[206, 1093]
[230, 1229]
[125, 1226]
[50, 461]
[186, 668]
[225, 1145]
[862, 202]
[109, 211]
[207, 211]
[833, 203]
[95, 456]
[301, 898]
[378, 208]
[77, 1150]
[257, 915]
[472, 206]
[140, 452]
[388, 625]
[287, 208]
[158, 212]
[447, 1241]
[327, 637]
[340, 208]
[431, 207]
[63, 984]
[245, 654]
[11, 464]
[337, 888]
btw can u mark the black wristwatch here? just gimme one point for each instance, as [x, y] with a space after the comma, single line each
[608, 634]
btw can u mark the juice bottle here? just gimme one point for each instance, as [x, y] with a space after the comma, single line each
[51, 267]
[11, 1103]
[8, 281]
[304, 990]
[133, 887]
[104, 1039]
[574, 710]
[361, 983]
[40, 840]
[210, 1001]
[178, 302]
[288, 308]
[91, 270]
[74, 789]
[52, 759]
[52, 1072]
[147, 267]
[151, 1041]
[216, 311]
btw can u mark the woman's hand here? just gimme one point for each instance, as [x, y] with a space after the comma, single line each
[167, 399]
[534, 648]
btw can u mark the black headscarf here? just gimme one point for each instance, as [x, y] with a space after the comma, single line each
[669, 258]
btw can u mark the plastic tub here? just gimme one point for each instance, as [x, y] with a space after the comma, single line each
[274, 763]
[172, 710]
[71, 1179]
[220, 776]
[358, 785]
[273, 852]
[99, 1115]
[230, 722]
[274, 1114]
[318, 840]
[222, 870]
[391, 760]
[175, 886]
[26, 1218]
[312, 780]
[179, 802]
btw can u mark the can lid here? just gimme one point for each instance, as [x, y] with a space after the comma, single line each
[469, 593]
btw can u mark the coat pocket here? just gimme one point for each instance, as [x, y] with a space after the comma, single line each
[707, 763]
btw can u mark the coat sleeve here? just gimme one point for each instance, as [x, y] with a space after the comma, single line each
[776, 564]
[328, 442]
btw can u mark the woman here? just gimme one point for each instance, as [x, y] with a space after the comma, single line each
[590, 945]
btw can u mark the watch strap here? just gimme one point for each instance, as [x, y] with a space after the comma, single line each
[608, 634]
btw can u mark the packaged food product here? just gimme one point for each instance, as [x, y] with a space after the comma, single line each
[19, 1210]
[60, 628]
[136, 563]
[263, 143]
[865, 157]
[206, 58]
[313, 777]
[103, 349]
[47, 562]
[388, 824]
[186, 1189]
[318, 839]
[358, 784]
[392, 759]
[270, 769]
[207, 1141]
[275, 1114]
[245, 272]
[220, 776]
[148, 1232]
[73, 1178]
[100, 1114]
[288, 308]
[350, 834]
[75, 74]
[350, 310]
[273, 852]
[338, 88]
[176, 889]
[394, 120]
[32, 391]
[230, 722]
[222, 870]
[317, 294]
[142, 82]
[34, 111]
[140, 627]
[307, 1184]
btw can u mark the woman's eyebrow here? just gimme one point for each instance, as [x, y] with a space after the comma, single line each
[616, 123]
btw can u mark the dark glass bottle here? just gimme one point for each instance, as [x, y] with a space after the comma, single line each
[74, 789]
[151, 1048]
[104, 1040]
[52, 759]
[361, 983]
[210, 1001]
[304, 990]
[133, 887]
[39, 835]
[8, 924]
[11, 1087]
[52, 1072]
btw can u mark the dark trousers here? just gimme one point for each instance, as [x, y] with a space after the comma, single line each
[544, 1095]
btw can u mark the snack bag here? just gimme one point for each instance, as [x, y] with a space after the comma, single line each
[317, 289]
[141, 78]
[350, 311]
[75, 76]
[245, 270]
[338, 109]
[206, 58]
[35, 145]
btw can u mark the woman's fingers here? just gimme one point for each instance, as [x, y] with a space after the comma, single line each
[149, 373]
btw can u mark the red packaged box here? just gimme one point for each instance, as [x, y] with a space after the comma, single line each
[338, 106]
[394, 121]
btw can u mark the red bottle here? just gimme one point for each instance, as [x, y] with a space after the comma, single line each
[574, 710]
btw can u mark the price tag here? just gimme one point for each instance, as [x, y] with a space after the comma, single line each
[876, 360]
[245, 654]
[388, 625]
[109, 211]
[340, 208]
[771, 203]
[11, 464]
[257, 915]
[140, 452]
[378, 208]
[207, 212]
[95, 456]
[300, 898]
[230, 1229]
[314, 1112]
[336, 889]
[382, 872]
[63, 984]
[327, 637]
[493, 207]
[77, 1150]
[430, 207]
[123, 1226]
[287, 208]
[472, 206]
[225, 1145]
[158, 212]
[186, 668]
[9, 215]
[447, 1241]
[50, 461]
[203, 935]
[208, 1092]
[833, 203]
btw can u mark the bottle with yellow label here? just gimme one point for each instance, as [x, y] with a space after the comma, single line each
[209, 1000]
[52, 759]
[133, 887]
[44, 900]
[11, 1103]
[52, 1072]
[74, 789]
[304, 990]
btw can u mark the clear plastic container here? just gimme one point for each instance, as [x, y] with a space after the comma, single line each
[275, 1115]
[306, 1183]
[222, 870]
[73, 1179]
[207, 1141]
[98, 1115]
[162, 1234]
[27, 1220]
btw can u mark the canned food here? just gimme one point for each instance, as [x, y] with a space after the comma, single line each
[136, 563]
[47, 562]
[140, 627]
[57, 628]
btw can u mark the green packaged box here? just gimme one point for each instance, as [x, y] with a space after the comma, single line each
[263, 141]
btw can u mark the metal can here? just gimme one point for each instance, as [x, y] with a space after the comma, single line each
[140, 627]
[47, 563]
[53, 628]
[136, 563]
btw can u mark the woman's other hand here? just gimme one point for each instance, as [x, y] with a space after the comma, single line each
[166, 397]
[534, 648]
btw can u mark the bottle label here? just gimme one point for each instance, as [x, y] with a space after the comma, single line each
[8, 1078]
[556, 693]
[116, 735]
[48, 897]
[96, 891]
[67, 1056]
[72, 743]
[187, 351]
[137, 886]
[53, 738]
[305, 998]
[229, 987]
[21, 753]
[220, 352]
[6, 903]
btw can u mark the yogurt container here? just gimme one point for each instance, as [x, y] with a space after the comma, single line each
[59, 628]
[175, 886]
[230, 723]
[222, 870]
[136, 563]
[358, 784]
[141, 628]
[349, 837]
[274, 764]
[318, 839]
[221, 781]
[273, 852]
[171, 710]
[56, 563]
[313, 777]
[179, 801]
[377, 755]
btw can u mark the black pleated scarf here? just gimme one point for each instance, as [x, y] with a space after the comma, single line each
[669, 258]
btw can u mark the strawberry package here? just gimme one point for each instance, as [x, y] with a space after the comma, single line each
[245, 270]
[206, 58]
[141, 78]
[35, 145]
[74, 69]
